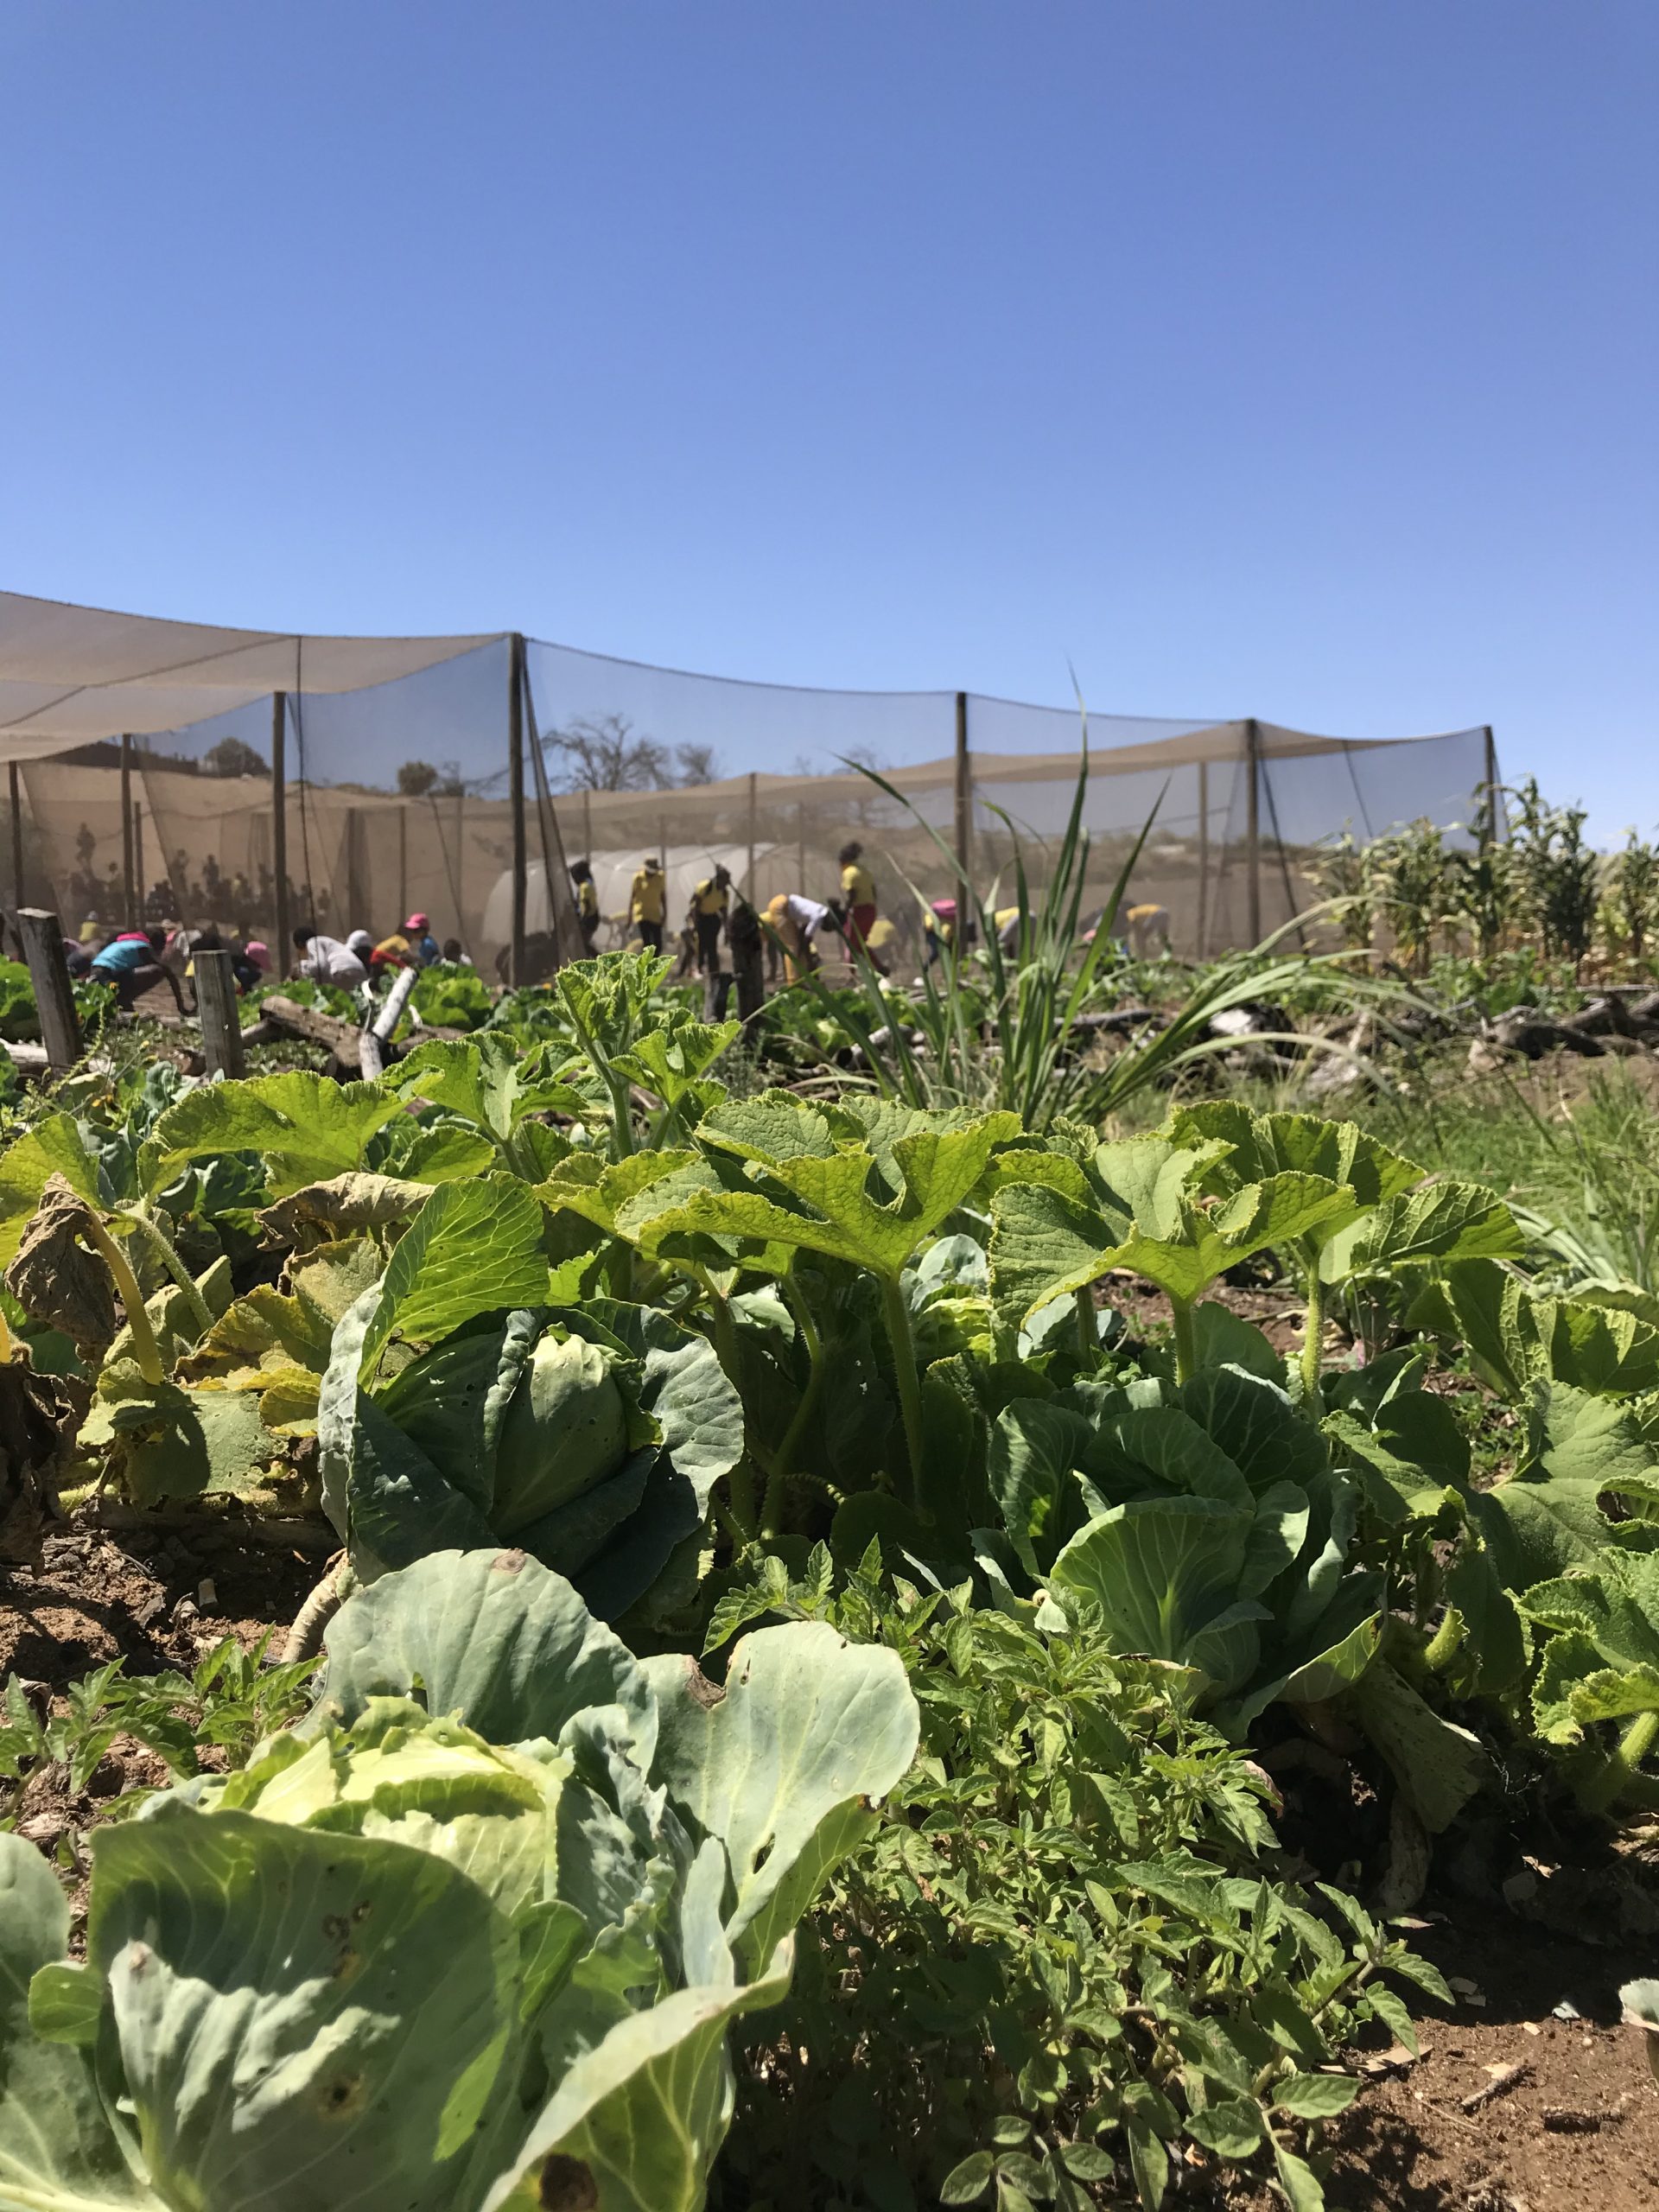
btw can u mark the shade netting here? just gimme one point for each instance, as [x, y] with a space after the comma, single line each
[155, 763]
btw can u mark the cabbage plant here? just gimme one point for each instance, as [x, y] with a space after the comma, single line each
[592, 1437]
[469, 1936]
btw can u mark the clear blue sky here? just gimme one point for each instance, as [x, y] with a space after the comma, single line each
[1286, 357]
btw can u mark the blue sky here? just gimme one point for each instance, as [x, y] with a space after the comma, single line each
[1295, 358]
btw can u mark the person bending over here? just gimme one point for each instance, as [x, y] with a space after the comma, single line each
[326, 959]
[132, 963]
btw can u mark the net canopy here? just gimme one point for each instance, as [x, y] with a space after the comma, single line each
[172, 770]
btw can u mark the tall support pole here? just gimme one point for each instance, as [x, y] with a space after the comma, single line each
[517, 970]
[588, 826]
[749, 881]
[129, 907]
[1204, 861]
[281, 917]
[800, 844]
[138, 856]
[54, 996]
[964, 795]
[1488, 816]
[216, 1010]
[1253, 828]
[15, 788]
[403, 864]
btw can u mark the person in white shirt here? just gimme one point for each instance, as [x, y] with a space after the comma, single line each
[797, 921]
[326, 959]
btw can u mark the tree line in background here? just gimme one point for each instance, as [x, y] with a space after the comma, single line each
[1530, 881]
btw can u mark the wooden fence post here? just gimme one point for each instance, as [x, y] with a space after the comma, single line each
[54, 995]
[216, 1010]
[517, 964]
[16, 836]
[1253, 829]
[129, 895]
[280, 917]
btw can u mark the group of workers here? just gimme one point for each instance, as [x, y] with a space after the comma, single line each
[134, 962]
[795, 921]
[348, 962]
[792, 920]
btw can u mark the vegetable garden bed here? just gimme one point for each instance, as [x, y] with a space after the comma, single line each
[1200, 1603]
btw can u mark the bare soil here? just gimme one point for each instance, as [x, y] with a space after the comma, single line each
[156, 1600]
[1578, 2123]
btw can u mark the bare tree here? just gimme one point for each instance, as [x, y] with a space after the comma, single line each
[605, 752]
[695, 764]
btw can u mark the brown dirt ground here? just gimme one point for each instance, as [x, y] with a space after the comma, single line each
[1579, 2125]
[156, 1600]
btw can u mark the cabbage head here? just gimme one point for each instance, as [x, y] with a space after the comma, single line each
[566, 1430]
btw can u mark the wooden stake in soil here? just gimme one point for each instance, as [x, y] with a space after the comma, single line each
[517, 962]
[16, 837]
[48, 971]
[964, 802]
[279, 828]
[1253, 829]
[129, 908]
[216, 1009]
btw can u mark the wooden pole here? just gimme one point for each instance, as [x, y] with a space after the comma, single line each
[588, 827]
[279, 916]
[138, 856]
[1204, 860]
[216, 1010]
[129, 910]
[516, 969]
[749, 881]
[1488, 813]
[964, 800]
[402, 864]
[1253, 829]
[17, 837]
[54, 996]
[800, 844]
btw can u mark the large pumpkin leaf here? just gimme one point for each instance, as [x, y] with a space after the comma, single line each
[306, 1129]
[53, 1146]
[472, 1248]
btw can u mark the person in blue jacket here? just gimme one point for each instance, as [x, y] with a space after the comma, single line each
[132, 963]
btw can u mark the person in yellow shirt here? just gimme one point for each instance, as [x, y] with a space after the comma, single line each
[581, 875]
[710, 903]
[1148, 930]
[647, 902]
[858, 893]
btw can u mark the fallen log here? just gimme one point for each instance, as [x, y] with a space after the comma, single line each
[342, 1039]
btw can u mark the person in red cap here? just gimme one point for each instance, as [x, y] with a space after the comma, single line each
[413, 946]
